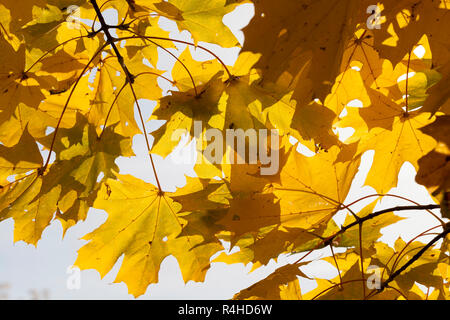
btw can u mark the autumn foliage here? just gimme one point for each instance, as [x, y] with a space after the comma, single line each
[70, 105]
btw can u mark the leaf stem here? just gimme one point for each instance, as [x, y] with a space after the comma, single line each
[130, 80]
[144, 131]
[53, 49]
[407, 78]
[330, 239]
[395, 196]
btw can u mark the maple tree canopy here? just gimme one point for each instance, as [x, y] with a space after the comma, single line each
[70, 92]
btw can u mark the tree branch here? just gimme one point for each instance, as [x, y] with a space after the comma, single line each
[376, 214]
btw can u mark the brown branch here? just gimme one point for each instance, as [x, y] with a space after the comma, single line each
[409, 242]
[131, 4]
[399, 256]
[391, 278]
[111, 41]
[361, 258]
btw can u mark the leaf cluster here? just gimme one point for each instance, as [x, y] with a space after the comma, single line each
[71, 92]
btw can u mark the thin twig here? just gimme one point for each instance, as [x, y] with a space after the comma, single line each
[391, 278]
[111, 41]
